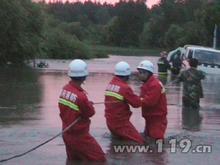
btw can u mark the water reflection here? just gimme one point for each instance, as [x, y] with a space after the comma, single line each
[36, 96]
[20, 90]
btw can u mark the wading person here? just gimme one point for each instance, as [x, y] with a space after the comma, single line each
[192, 92]
[163, 67]
[73, 103]
[191, 119]
[118, 97]
[192, 87]
[154, 103]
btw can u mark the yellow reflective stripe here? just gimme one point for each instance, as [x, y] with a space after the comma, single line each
[163, 73]
[113, 94]
[69, 104]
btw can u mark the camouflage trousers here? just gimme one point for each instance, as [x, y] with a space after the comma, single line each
[192, 103]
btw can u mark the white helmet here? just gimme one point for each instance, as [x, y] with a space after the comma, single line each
[77, 68]
[146, 65]
[122, 69]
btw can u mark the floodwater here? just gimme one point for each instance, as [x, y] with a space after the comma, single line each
[29, 116]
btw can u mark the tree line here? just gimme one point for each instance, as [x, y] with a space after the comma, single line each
[70, 30]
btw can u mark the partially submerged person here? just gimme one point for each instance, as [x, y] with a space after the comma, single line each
[74, 105]
[192, 92]
[192, 87]
[154, 103]
[118, 97]
[191, 119]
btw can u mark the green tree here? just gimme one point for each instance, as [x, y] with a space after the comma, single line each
[126, 28]
[195, 34]
[147, 37]
[74, 29]
[20, 30]
[208, 17]
[173, 37]
[113, 32]
[60, 45]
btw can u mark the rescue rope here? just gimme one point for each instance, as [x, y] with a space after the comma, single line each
[51, 106]
[110, 102]
[34, 148]
[107, 102]
[96, 103]
[47, 141]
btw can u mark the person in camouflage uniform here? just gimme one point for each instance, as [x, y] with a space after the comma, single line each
[192, 92]
[192, 87]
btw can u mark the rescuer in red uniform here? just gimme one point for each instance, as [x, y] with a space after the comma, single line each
[118, 97]
[154, 103]
[73, 103]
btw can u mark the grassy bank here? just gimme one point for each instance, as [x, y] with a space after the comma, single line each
[103, 51]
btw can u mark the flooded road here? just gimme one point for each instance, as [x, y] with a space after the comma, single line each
[29, 115]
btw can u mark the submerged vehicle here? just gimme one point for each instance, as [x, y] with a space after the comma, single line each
[209, 58]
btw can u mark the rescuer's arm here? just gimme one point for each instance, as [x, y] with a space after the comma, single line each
[86, 107]
[179, 78]
[131, 98]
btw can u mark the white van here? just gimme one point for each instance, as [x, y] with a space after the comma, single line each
[209, 58]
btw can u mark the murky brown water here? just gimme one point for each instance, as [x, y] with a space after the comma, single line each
[32, 116]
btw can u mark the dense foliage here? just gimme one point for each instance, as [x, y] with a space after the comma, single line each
[20, 30]
[71, 30]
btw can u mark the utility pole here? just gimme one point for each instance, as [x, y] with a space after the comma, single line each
[215, 36]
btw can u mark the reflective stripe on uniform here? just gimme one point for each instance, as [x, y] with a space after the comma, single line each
[113, 94]
[69, 104]
[160, 62]
[162, 73]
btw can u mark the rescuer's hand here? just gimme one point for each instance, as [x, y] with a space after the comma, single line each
[91, 102]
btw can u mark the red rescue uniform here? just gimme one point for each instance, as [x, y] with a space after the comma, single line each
[154, 108]
[73, 103]
[118, 96]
